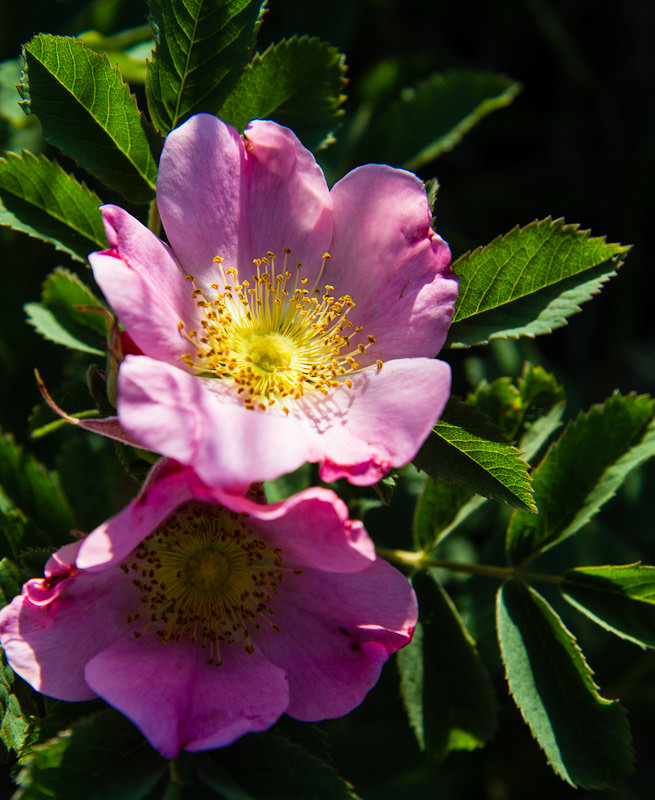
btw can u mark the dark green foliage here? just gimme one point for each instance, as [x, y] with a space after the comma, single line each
[202, 49]
[299, 83]
[584, 736]
[446, 689]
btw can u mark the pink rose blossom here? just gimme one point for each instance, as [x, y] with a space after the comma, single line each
[203, 616]
[286, 322]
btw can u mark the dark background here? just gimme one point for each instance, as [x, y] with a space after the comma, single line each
[576, 143]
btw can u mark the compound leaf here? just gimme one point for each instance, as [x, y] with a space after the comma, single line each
[620, 599]
[582, 471]
[585, 737]
[529, 281]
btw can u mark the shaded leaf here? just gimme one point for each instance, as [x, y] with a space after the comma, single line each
[38, 198]
[88, 112]
[466, 447]
[284, 770]
[431, 118]
[585, 737]
[15, 717]
[297, 82]
[528, 409]
[447, 690]
[34, 491]
[59, 319]
[202, 47]
[620, 599]
[529, 281]
[583, 470]
[10, 581]
[12, 530]
[437, 509]
[103, 755]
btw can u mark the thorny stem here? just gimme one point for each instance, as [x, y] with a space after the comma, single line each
[421, 561]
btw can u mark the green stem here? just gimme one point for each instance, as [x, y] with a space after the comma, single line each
[421, 561]
[154, 220]
[174, 771]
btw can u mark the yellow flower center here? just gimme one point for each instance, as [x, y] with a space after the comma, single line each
[205, 576]
[274, 338]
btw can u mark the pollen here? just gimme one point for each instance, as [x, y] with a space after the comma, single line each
[205, 577]
[271, 335]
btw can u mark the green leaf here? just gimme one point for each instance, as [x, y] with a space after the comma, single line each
[436, 509]
[38, 198]
[297, 82]
[466, 447]
[34, 491]
[15, 716]
[87, 111]
[10, 581]
[102, 756]
[585, 737]
[202, 48]
[447, 691]
[431, 118]
[583, 470]
[284, 770]
[59, 318]
[529, 281]
[12, 530]
[620, 599]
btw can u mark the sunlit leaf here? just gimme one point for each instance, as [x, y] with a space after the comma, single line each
[88, 112]
[529, 281]
[39, 198]
[202, 49]
[466, 447]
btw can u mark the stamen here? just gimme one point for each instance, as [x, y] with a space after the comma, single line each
[274, 339]
[205, 577]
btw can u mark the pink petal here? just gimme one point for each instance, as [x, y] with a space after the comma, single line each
[289, 203]
[200, 194]
[199, 422]
[381, 422]
[219, 196]
[110, 543]
[144, 285]
[48, 644]
[312, 529]
[336, 632]
[179, 702]
[395, 268]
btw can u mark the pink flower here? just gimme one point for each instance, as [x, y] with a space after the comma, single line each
[286, 322]
[203, 616]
